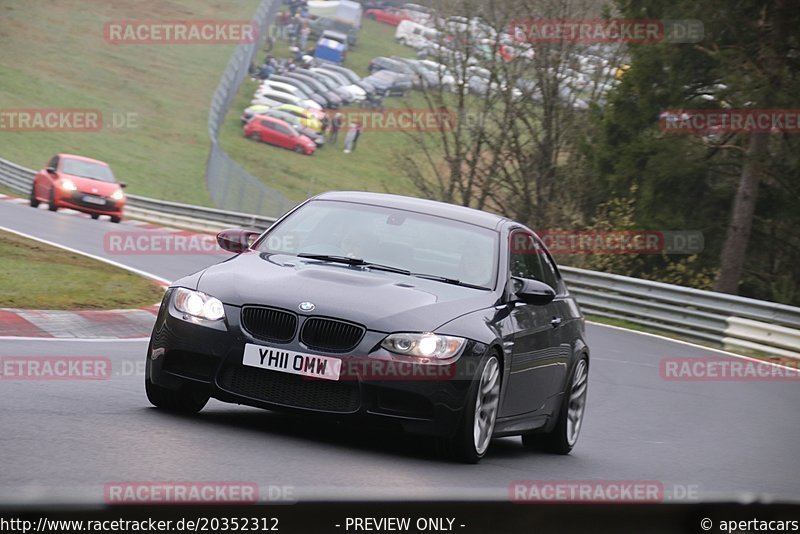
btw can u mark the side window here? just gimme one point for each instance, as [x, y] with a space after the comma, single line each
[265, 124]
[528, 258]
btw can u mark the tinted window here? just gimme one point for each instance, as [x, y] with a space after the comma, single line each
[528, 258]
[87, 169]
[418, 242]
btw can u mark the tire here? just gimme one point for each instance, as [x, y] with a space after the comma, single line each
[565, 434]
[471, 440]
[51, 203]
[115, 219]
[34, 200]
[299, 149]
[94, 216]
[402, 41]
[187, 401]
[254, 136]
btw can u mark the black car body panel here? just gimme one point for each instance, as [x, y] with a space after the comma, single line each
[536, 353]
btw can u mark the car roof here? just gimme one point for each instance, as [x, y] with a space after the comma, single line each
[420, 205]
[81, 158]
[273, 119]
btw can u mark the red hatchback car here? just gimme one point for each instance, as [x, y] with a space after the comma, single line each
[389, 15]
[280, 133]
[79, 183]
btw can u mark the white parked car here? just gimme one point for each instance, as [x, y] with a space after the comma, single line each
[265, 94]
[415, 35]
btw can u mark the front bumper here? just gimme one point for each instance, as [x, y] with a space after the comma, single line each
[425, 401]
[75, 200]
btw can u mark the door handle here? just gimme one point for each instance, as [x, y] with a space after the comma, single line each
[555, 321]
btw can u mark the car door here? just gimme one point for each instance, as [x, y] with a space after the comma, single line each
[268, 134]
[283, 136]
[536, 356]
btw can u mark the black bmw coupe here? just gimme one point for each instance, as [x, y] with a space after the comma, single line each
[448, 321]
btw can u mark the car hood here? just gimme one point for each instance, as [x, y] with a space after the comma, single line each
[88, 185]
[381, 301]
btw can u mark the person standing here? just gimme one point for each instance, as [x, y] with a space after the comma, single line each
[350, 138]
[305, 31]
[336, 125]
[326, 121]
[359, 129]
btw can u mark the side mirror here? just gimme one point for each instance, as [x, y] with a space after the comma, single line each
[51, 170]
[533, 291]
[236, 240]
[123, 185]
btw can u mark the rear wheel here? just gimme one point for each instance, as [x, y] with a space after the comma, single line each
[51, 203]
[34, 200]
[564, 436]
[115, 219]
[471, 441]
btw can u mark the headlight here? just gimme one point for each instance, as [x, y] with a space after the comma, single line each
[424, 345]
[68, 185]
[117, 195]
[198, 304]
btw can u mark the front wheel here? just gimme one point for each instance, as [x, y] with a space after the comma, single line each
[471, 441]
[188, 400]
[34, 200]
[94, 216]
[299, 149]
[115, 219]
[51, 203]
[564, 436]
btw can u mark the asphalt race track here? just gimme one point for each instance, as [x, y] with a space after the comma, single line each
[64, 440]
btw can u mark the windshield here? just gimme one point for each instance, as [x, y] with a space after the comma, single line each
[87, 169]
[412, 241]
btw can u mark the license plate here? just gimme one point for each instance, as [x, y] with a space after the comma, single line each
[287, 361]
[94, 200]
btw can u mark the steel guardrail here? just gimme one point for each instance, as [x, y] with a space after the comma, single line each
[728, 320]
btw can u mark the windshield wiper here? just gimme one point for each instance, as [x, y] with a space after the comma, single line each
[447, 280]
[360, 262]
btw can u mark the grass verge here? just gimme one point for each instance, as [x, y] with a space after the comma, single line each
[154, 98]
[38, 276]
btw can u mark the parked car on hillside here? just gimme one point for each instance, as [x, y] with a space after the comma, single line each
[389, 15]
[279, 133]
[333, 99]
[388, 83]
[297, 124]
